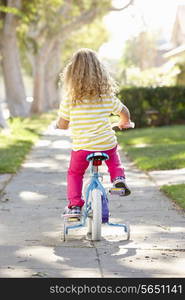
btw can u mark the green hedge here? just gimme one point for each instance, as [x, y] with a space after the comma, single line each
[155, 106]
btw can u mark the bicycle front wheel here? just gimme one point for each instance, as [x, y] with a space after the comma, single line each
[96, 215]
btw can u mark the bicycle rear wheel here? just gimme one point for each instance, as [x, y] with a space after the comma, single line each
[96, 215]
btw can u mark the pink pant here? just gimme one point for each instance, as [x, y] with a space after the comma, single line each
[77, 167]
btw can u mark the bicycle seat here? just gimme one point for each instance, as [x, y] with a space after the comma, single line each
[97, 156]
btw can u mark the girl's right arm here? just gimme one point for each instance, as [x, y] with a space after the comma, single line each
[125, 121]
[121, 110]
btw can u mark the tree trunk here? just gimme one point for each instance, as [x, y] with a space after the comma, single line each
[44, 78]
[39, 92]
[14, 85]
[3, 123]
[53, 68]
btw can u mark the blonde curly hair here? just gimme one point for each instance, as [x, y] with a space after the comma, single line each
[85, 77]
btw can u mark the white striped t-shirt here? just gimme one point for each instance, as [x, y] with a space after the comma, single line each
[90, 122]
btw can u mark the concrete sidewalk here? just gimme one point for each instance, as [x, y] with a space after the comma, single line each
[31, 226]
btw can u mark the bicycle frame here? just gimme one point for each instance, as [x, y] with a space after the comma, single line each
[94, 184]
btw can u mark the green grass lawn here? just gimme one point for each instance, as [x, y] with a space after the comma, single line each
[175, 192]
[161, 148]
[23, 135]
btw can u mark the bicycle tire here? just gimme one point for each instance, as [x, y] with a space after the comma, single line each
[96, 215]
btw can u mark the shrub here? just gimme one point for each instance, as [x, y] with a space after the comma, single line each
[155, 106]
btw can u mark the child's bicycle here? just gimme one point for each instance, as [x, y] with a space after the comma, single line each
[96, 208]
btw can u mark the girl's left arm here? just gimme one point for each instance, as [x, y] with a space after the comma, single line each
[62, 123]
[63, 115]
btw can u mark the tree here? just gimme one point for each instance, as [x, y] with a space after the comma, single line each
[3, 123]
[71, 16]
[48, 30]
[50, 36]
[14, 86]
[140, 51]
[89, 36]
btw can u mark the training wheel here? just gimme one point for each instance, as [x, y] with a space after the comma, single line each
[128, 231]
[64, 231]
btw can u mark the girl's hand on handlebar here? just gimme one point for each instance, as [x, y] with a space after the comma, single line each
[127, 125]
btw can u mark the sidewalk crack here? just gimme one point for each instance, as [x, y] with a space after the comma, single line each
[99, 261]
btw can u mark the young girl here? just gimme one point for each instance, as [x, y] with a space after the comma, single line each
[88, 103]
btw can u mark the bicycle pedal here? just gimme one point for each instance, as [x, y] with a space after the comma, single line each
[117, 191]
[72, 219]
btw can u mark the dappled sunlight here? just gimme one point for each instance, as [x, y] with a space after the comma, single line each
[38, 165]
[74, 258]
[150, 263]
[138, 231]
[138, 141]
[177, 229]
[157, 227]
[41, 253]
[119, 252]
[28, 196]
[14, 272]
[62, 157]
[87, 273]
[47, 165]
[163, 177]
[6, 132]
[154, 136]
[43, 143]
[63, 144]
[52, 131]
[141, 145]
[179, 155]
[142, 45]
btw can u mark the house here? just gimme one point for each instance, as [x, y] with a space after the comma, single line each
[177, 53]
[178, 32]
